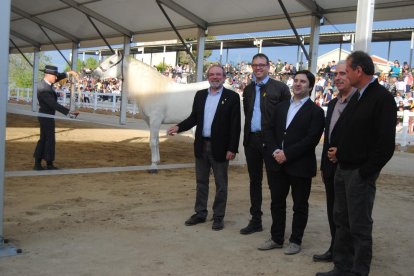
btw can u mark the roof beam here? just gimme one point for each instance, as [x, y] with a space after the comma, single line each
[25, 38]
[313, 7]
[44, 24]
[185, 13]
[378, 6]
[98, 17]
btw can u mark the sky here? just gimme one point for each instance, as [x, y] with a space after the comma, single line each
[399, 49]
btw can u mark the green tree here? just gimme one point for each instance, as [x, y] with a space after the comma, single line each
[79, 66]
[184, 58]
[91, 63]
[161, 67]
[20, 71]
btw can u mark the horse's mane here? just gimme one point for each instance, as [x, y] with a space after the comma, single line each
[153, 71]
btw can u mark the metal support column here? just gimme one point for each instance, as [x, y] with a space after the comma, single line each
[5, 5]
[297, 57]
[411, 50]
[221, 52]
[227, 55]
[314, 44]
[125, 77]
[389, 50]
[363, 29]
[313, 48]
[35, 77]
[200, 54]
[74, 65]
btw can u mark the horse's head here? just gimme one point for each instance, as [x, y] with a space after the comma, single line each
[110, 67]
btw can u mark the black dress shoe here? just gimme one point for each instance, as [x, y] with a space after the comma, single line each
[218, 224]
[38, 167]
[252, 227]
[325, 257]
[51, 167]
[194, 219]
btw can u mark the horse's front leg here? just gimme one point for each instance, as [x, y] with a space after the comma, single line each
[155, 125]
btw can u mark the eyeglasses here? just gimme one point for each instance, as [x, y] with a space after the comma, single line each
[261, 65]
[215, 74]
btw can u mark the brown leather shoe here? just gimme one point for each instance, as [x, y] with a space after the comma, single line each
[194, 219]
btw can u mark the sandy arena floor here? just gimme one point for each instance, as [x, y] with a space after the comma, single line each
[132, 223]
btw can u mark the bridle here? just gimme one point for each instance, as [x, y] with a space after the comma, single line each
[112, 65]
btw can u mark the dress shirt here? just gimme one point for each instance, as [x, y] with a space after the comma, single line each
[293, 109]
[338, 109]
[256, 124]
[210, 110]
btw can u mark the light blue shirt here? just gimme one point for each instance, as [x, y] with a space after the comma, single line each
[293, 109]
[210, 110]
[256, 124]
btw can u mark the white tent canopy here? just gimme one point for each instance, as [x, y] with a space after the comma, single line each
[65, 21]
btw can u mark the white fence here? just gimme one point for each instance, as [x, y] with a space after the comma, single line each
[111, 101]
[92, 100]
[402, 137]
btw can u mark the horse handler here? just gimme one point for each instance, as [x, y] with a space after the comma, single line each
[48, 104]
[216, 113]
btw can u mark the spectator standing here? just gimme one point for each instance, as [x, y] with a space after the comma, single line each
[291, 137]
[395, 69]
[216, 113]
[367, 143]
[334, 119]
[260, 98]
[408, 79]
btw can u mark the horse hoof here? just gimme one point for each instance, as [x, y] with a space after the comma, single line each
[153, 171]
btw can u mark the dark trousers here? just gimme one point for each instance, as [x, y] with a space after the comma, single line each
[254, 159]
[45, 148]
[203, 167]
[354, 200]
[280, 183]
[330, 198]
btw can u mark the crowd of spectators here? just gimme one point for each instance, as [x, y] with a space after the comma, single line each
[398, 80]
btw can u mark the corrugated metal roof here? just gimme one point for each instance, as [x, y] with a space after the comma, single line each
[65, 21]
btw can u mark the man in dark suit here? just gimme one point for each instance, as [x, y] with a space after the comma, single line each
[216, 113]
[48, 104]
[336, 108]
[260, 97]
[367, 143]
[290, 140]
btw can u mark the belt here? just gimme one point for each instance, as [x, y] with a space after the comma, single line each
[206, 138]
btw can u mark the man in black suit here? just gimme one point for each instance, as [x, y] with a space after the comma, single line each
[260, 97]
[48, 104]
[216, 113]
[336, 108]
[290, 140]
[367, 143]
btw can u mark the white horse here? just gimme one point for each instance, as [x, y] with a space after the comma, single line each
[160, 100]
